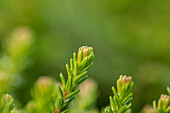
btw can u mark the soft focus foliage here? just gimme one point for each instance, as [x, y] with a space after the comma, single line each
[47, 96]
[85, 101]
[129, 36]
[13, 60]
[44, 94]
[51, 97]
[6, 103]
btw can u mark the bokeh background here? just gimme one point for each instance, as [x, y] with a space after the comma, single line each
[129, 37]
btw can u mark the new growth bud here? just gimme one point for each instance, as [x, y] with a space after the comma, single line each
[77, 73]
[84, 52]
[124, 83]
[163, 102]
[7, 102]
[125, 80]
[121, 101]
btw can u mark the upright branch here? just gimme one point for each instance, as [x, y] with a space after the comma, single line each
[163, 103]
[77, 73]
[6, 103]
[121, 101]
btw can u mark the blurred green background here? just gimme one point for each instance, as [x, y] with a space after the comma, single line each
[129, 37]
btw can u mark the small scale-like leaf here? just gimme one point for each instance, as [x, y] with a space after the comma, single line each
[130, 89]
[122, 93]
[128, 101]
[167, 110]
[112, 104]
[82, 64]
[117, 102]
[128, 106]
[69, 84]
[168, 89]
[72, 93]
[80, 81]
[67, 101]
[154, 104]
[78, 77]
[63, 81]
[85, 69]
[119, 85]
[126, 98]
[79, 56]
[74, 57]
[90, 58]
[59, 103]
[60, 92]
[71, 64]
[75, 70]
[123, 109]
[69, 71]
[115, 93]
[65, 111]
[108, 110]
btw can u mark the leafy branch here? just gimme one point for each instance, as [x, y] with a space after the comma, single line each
[7, 104]
[48, 96]
[77, 73]
[121, 101]
[51, 97]
[163, 103]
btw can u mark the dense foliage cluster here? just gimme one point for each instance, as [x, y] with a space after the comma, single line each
[129, 36]
[163, 103]
[121, 101]
[49, 96]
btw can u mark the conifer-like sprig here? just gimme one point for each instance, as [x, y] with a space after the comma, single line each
[121, 101]
[163, 103]
[77, 73]
[7, 103]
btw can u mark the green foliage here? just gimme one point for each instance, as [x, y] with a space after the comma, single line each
[12, 62]
[3, 83]
[121, 101]
[85, 100]
[130, 36]
[16, 48]
[43, 94]
[163, 103]
[14, 58]
[6, 103]
[77, 73]
[49, 96]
